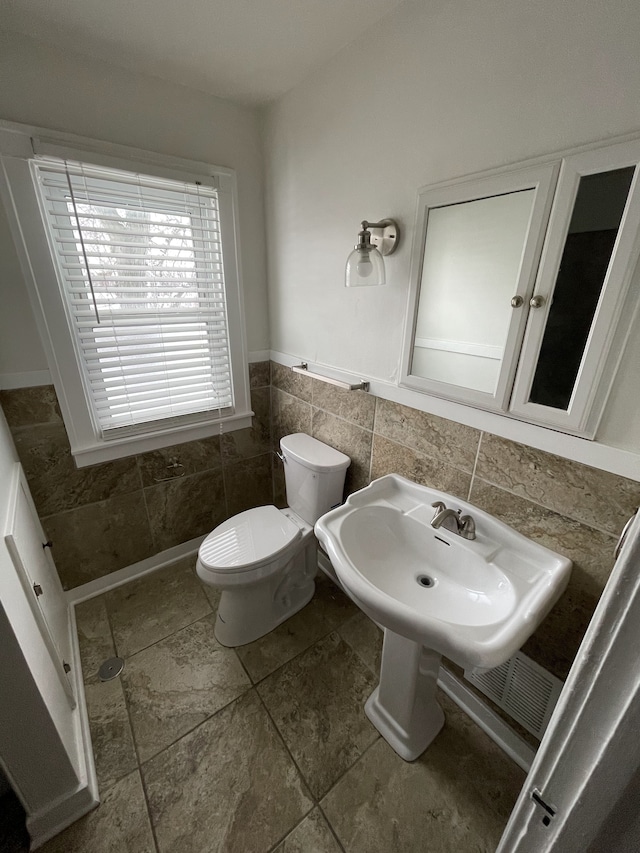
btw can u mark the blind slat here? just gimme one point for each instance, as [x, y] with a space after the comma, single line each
[140, 262]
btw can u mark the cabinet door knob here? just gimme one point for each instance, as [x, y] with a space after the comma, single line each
[37, 589]
[536, 301]
[516, 301]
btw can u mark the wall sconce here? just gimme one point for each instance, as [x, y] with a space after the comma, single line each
[365, 266]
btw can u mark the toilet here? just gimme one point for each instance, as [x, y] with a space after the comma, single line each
[264, 559]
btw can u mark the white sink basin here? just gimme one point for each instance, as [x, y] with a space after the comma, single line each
[475, 601]
[485, 597]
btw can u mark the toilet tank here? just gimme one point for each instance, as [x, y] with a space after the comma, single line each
[314, 475]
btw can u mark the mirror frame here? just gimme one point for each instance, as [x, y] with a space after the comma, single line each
[616, 305]
[542, 179]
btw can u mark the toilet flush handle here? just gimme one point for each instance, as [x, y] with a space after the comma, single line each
[280, 456]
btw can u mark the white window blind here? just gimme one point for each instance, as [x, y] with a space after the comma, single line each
[140, 265]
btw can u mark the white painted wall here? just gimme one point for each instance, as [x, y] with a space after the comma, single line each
[433, 91]
[48, 88]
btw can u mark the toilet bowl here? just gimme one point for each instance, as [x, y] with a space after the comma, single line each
[264, 560]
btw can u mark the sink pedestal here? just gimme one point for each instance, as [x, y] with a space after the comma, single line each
[403, 707]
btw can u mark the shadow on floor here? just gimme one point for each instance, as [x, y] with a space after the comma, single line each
[14, 837]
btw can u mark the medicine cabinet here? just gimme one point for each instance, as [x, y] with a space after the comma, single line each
[520, 298]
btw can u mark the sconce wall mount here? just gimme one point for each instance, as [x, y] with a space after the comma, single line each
[365, 264]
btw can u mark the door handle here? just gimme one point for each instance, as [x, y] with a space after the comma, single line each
[623, 536]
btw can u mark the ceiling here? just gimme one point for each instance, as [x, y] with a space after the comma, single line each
[249, 51]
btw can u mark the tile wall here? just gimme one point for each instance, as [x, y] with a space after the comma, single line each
[571, 508]
[105, 517]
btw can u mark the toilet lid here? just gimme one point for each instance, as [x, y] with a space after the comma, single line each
[248, 540]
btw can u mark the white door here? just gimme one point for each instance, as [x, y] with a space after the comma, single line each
[591, 750]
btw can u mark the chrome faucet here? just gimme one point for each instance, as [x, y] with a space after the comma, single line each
[452, 520]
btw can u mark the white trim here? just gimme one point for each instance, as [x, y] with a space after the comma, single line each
[64, 811]
[590, 753]
[131, 445]
[617, 461]
[610, 323]
[31, 379]
[259, 355]
[500, 732]
[542, 180]
[464, 347]
[25, 222]
[134, 571]
[19, 495]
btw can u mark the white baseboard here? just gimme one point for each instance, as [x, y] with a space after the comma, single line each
[9, 381]
[499, 731]
[134, 571]
[62, 812]
[45, 824]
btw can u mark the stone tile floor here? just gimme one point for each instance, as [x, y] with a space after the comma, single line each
[264, 748]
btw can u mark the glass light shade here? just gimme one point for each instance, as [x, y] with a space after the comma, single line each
[365, 268]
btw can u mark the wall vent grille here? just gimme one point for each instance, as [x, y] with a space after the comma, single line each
[522, 688]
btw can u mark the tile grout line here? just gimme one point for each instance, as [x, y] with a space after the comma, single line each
[475, 465]
[357, 759]
[450, 464]
[121, 494]
[133, 736]
[315, 800]
[146, 506]
[312, 796]
[290, 660]
[373, 438]
[328, 411]
[549, 508]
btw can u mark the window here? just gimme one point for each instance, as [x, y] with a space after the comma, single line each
[136, 276]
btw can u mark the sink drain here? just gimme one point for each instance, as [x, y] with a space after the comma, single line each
[425, 580]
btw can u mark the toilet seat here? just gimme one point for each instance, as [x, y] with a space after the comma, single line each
[248, 541]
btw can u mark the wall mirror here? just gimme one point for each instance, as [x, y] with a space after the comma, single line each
[519, 283]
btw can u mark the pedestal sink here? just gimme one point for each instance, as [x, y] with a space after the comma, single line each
[435, 593]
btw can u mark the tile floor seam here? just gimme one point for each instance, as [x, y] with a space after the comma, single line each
[340, 778]
[343, 815]
[371, 669]
[138, 769]
[162, 639]
[301, 652]
[145, 794]
[208, 719]
[289, 831]
[196, 726]
[331, 828]
[355, 761]
[549, 508]
[335, 629]
[310, 793]
[350, 767]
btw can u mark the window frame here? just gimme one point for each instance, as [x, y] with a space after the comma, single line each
[18, 146]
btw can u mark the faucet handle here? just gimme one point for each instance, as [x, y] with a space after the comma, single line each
[439, 507]
[467, 527]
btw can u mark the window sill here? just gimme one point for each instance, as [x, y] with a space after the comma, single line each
[107, 451]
